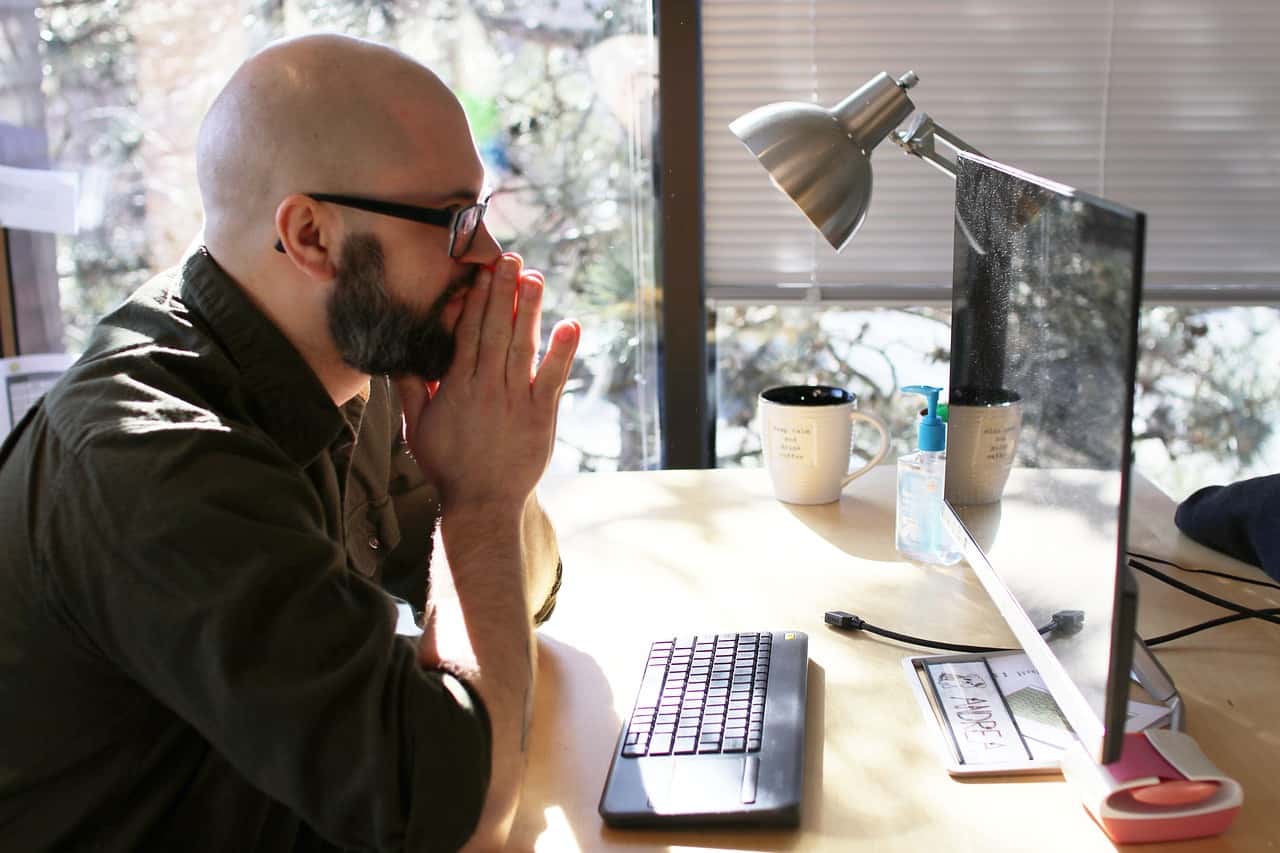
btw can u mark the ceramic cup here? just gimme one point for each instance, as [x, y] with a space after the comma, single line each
[982, 439]
[806, 432]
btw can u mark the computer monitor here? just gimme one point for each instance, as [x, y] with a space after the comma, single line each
[1046, 290]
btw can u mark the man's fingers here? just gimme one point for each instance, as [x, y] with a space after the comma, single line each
[495, 331]
[553, 372]
[466, 333]
[525, 334]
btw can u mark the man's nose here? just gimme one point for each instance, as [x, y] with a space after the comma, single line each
[484, 250]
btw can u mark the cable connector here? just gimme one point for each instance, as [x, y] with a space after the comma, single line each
[842, 620]
[1067, 622]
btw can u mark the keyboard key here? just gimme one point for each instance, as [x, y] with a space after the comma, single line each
[735, 744]
[633, 750]
[664, 729]
[750, 778]
[753, 744]
[660, 745]
[685, 746]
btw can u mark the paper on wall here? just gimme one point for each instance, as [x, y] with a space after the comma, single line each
[38, 199]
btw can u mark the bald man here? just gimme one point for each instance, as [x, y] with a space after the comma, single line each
[203, 519]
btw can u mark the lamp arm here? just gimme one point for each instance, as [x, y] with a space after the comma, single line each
[918, 139]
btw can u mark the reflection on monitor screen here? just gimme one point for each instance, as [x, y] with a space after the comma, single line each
[1046, 290]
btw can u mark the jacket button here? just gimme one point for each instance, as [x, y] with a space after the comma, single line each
[374, 543]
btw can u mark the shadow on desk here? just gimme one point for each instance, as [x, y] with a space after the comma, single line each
[858, 527]
[575, 728]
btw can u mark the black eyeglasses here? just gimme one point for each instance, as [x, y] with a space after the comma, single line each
[462, 223]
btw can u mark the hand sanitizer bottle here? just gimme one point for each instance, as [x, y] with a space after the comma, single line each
[920, 534]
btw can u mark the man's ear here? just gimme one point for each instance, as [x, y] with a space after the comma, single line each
[309, 235]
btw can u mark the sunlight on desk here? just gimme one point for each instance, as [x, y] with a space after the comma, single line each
[558, 835]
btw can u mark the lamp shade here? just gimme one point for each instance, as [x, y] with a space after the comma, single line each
[821, 157]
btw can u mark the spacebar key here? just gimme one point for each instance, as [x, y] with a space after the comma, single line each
[750, 776]
[651, 687]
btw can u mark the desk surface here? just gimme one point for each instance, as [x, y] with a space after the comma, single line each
[653, 554]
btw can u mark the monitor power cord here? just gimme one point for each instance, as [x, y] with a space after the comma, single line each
[1240, 612]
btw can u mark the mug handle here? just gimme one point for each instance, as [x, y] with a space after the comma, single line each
[855, 415]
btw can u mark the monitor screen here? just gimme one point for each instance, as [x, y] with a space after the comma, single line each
[1046, 291]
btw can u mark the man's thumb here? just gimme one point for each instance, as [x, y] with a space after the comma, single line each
[414, 397]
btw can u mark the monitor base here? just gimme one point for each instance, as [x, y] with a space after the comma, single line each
[1163, 788]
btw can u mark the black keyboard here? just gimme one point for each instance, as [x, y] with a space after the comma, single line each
[717, 734]
[701, 694]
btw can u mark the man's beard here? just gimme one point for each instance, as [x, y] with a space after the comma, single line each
[376, 333]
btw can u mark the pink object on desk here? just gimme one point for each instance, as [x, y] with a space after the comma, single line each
[1163, 788]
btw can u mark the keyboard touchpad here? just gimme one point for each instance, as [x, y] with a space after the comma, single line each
[707, 783]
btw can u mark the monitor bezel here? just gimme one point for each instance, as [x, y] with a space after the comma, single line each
[1103, 738]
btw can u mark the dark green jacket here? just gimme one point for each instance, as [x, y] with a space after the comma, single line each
[196, 649]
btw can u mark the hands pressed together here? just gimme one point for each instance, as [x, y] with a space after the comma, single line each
[484, 434]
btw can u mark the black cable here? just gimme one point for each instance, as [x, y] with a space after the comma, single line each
[1070, 621]
[1201, 594]
[1204, 626]
[1066, 621]
[1151, 559]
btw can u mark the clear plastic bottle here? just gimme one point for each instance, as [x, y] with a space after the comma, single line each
[920, 533]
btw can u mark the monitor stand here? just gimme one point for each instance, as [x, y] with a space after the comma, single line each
[1148, 674]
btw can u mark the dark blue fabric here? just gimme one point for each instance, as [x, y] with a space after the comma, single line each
[1241, 520]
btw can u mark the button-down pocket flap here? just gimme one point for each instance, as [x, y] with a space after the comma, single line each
[385, 522]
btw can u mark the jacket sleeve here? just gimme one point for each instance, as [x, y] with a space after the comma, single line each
[217, 588]
[1240, 520]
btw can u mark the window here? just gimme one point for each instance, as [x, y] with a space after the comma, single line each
[560, 98]
[1144, 102]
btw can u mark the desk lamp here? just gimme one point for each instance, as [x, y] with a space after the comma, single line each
[821, 157]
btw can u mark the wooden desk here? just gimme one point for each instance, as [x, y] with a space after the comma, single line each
[657, 554]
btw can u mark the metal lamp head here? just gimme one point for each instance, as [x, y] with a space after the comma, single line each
[821, 157]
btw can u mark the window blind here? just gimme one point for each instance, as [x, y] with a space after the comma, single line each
[1169, 106]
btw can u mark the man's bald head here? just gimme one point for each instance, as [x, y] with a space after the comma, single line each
[322, 113]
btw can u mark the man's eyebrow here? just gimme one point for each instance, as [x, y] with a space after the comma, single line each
[467, 196]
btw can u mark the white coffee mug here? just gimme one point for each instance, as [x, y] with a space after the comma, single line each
[982, 440]
[806, 433]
